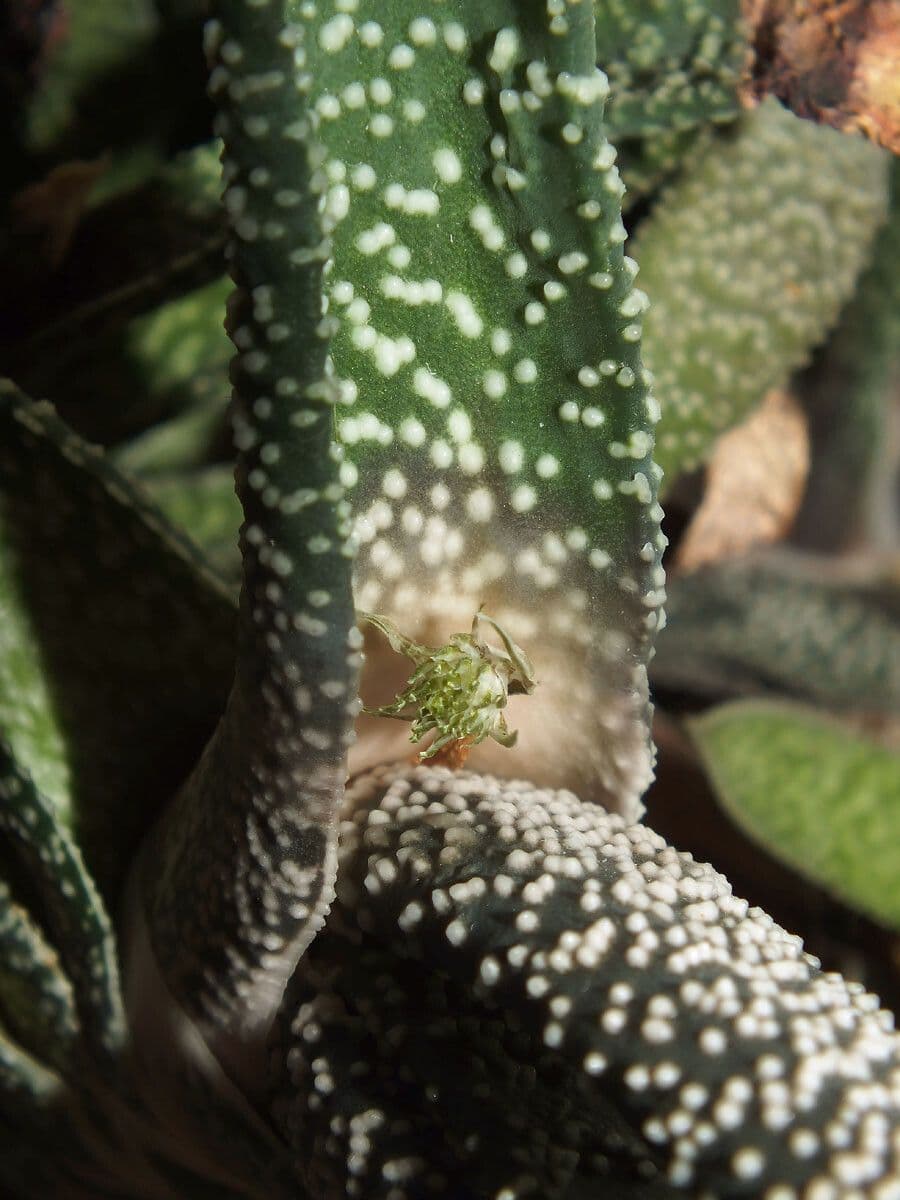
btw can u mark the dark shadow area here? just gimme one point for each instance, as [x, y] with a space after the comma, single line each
[136, 646]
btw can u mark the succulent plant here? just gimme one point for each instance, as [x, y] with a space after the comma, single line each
[249, 947]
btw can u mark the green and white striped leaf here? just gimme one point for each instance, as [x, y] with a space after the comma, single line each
[489, 394]
[747, 260]
[119, 639]
[816, 795]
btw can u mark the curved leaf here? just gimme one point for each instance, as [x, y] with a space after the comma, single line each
[76, 920]
[36, 1001]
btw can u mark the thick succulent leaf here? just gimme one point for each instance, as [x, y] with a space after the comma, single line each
[673, 66]
[747, 260]
[673, 70]
[781, 623]
[490, 397]
[851, 395]
[238, 875]
[36, 1001]
[519, 994]
[76, 921]
[133, 635]
[815, 794]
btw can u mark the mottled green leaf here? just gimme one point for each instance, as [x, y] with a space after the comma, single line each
[747, 260]
[27, 717]
[116, 75]
[488, 388]
[180, 354]
[814, 794]
[124, 637]
[782, 624]
[77, 924]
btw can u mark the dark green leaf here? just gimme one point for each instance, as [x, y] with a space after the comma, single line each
[781, 623]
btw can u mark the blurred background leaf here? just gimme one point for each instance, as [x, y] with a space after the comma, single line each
[777, 622]
[747, 259]
[817, 795]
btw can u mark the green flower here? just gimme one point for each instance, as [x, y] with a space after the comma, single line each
[459, 689]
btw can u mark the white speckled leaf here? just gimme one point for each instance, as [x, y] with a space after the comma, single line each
[814, 794]
[747, 259]
[77, 924]
[489, 391]
[673, 66]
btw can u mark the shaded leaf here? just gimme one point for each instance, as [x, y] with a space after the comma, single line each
[134, 634]
[129, 253]
[781, 623]
[55, 205]
[203, 504]
[24, 1082]
[754, 484]
[816, 795]
[124, 76]
[747, 260]
[94, 40]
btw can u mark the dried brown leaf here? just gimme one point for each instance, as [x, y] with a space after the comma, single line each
[755, 482]
[834, 61]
